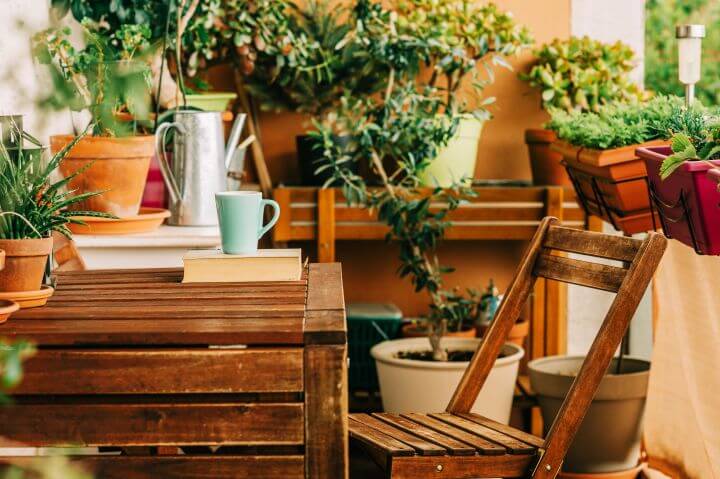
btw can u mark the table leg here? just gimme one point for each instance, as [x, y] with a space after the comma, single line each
[326, 412]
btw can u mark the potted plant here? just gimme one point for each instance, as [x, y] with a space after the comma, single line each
[578, 73]
[684, 184]
[105, 78]
[31, 208]
[597, 449]
[397, 135]
[598, 149]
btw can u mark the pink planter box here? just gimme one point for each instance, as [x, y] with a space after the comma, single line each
[688, 201]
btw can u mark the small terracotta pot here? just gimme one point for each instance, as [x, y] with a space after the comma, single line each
[118, 166]
[544, 161]
[7, 308]
[25, 261]
[517, 334]
[412, 330]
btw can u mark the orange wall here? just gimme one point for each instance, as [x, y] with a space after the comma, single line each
[369, 267]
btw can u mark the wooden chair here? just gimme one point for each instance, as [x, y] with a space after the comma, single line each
[66, 254]
[458, 444]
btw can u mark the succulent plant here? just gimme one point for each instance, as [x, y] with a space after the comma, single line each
[583, 74]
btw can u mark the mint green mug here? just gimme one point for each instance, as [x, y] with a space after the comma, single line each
[240, 214]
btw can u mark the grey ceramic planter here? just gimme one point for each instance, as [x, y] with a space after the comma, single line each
[609, 437]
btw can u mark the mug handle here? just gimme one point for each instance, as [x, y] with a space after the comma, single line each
[273, 220]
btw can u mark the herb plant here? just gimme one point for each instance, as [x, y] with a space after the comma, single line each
[31, 205]
[582, 74]
[399, 132]
[104, 77]
[619, 124]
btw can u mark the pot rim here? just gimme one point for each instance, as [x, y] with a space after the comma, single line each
[535, 365]
[26, 247]
[384, 353]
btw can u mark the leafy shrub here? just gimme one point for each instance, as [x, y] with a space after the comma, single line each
[618, 124]
[583, 74]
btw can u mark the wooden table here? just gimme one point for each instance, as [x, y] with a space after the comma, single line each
[137, 361]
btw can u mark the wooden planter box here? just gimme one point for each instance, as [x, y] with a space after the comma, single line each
[611, 184]
[688, 201]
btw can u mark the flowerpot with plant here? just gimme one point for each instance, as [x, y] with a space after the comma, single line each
[105, 78]
[598, 150]
[575, 74]
[684, 186]
[597, 448]
[401, 132]
[31, 208]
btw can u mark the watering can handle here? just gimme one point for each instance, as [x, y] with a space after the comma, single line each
[234, 139]
[167, 174]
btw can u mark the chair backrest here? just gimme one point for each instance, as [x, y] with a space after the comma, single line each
[545, 257]
[66, 254]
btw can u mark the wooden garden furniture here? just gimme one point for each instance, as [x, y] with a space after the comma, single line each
[457, 444]
[218, 380]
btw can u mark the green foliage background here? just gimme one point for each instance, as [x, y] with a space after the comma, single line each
[661, 68]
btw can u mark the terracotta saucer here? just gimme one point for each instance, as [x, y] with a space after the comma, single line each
[7, 307]
[149, 219]
[29, 299]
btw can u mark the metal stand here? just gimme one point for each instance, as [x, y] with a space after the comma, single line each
[665, 218]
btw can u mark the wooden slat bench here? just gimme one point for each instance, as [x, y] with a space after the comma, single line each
[135, 361]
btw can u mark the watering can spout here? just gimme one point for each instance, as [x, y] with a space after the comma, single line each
[234, 139]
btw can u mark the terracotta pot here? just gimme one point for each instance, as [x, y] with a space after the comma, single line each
[517, 334]
[688, 200]
[25, 261]
[7, 308]
[545, 162]
[117, 166]
[2, 259]
[415, 331]
[611, 184]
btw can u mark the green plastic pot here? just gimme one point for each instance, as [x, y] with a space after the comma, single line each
[215, 101]
[457, 160]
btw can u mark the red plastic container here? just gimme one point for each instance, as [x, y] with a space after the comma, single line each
[154, 194]
[688, 201]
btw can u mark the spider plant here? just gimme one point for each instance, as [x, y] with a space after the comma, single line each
[32, 205]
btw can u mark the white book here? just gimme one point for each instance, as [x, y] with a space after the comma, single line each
[213, 266]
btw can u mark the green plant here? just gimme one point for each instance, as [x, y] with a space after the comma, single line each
[619, 124]
[583, 74]
[695, 146]
[104, 77]
[12, 354]
[661, 68]
[31, 205]
[399, 132]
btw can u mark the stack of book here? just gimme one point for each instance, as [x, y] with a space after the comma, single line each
[213, 266]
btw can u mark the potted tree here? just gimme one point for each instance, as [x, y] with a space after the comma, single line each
[598, 150]
[31, 208]
[104, 79]
[684, 183]
[575, 74]
[397, 135]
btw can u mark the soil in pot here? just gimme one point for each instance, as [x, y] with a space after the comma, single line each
[545, 162]
[609, 438]
[25, 261]
[611, 184]
[310, 158]
[116, 166]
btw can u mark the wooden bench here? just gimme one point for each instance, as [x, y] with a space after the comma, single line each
[456, 444]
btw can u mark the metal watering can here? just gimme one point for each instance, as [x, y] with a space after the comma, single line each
[200, 162]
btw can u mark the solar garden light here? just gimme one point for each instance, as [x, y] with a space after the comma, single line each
[689, 57]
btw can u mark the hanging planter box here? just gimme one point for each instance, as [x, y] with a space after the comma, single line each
[611, 184]
[688, 201]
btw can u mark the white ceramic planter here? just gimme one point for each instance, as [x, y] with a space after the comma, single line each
[457, 160]
[426, 386]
